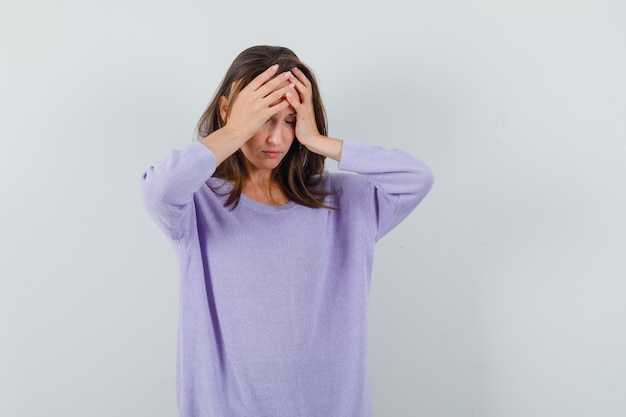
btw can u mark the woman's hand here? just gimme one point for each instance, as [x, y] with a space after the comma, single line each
[302, 101]
[258, 101]
[306, 127]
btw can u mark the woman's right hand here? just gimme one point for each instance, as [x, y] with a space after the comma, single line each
[258, 101]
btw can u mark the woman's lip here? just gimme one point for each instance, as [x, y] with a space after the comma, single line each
[272, 154]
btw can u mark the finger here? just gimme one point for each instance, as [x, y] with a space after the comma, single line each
[280, 85]
[301, 77]
[295, 80]
[263, 77]
[303, 91]
[294, 101]
[280, 105]
[277, 94]
[275, 83]
[303, 85]
[277, 107]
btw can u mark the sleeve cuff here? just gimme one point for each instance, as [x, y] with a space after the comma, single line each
[202, 158]
[351, 153]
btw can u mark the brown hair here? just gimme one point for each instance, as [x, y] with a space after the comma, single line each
[301, 170]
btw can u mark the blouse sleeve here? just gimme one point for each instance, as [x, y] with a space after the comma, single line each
[397, 182]
[169, 185]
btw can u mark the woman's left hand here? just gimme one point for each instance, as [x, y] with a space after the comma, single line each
[306, 127]
[302, 101]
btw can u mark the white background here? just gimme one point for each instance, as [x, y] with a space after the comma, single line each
[502, 295]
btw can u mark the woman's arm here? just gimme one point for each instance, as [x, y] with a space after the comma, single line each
[328, 147]
[301, 99]
[168, 186]
[397, 182]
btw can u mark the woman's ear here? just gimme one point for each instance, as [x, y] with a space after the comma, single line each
[223, 106]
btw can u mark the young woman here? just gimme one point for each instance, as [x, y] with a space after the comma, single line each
[275, 253]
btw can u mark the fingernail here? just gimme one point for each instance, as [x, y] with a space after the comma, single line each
[292, 85]
[275, 67]
[288, 74]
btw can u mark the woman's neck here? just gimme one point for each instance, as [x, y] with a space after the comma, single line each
[260, 187]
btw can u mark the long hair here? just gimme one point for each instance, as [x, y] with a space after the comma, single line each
[300, 171]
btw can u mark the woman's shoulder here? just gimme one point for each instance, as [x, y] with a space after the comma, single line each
[214, 190]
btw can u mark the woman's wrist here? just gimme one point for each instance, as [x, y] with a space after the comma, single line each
[236, 133]
[225, 141]
[325, 146]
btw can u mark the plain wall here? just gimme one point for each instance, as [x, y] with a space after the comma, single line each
[502, 295]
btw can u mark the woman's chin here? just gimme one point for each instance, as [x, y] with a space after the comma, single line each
[264, 165]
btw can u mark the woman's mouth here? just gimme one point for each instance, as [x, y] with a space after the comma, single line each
[272, 154]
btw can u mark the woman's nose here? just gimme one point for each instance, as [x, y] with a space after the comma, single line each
[274, 135]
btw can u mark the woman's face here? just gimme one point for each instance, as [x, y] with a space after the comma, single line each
[270, 143]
